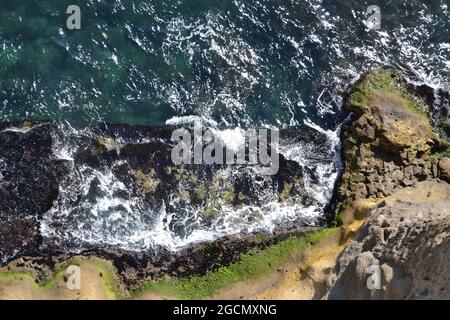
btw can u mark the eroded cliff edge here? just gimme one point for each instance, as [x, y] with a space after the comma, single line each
[397, 177]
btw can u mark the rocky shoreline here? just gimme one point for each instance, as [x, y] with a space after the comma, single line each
[33, 176]
[396, 166]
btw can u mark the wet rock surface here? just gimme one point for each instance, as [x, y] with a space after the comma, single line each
[30, 177]
[34, 175]
[194, 260]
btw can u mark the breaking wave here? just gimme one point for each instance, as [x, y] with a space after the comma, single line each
[96, 208]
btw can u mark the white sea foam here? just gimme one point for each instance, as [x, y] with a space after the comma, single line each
[233, 139]
[189, 120]
[96, 208]
[2, 168]
[24, 129]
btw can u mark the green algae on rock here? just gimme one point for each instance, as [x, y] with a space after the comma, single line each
[391, 142]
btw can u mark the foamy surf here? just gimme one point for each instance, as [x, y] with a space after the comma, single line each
[96, 209]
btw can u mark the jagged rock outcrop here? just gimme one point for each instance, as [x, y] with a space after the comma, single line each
[407, 238]
[390, 142]
[444, 168]
[396, 160]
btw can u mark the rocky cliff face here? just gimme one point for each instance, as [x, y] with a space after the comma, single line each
[396, 164]
[407, 238]
[390, 143]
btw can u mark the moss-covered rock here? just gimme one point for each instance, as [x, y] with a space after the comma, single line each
[387, 107]
[108, 142]
[390, 142]
[445, 124]
[149, 182]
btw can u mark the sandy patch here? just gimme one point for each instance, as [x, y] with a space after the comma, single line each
[92, 288]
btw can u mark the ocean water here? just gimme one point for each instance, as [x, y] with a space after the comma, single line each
[232, 64]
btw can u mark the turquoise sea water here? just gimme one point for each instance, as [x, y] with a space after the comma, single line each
[233, 62]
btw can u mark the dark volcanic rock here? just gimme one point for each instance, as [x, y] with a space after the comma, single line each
[134, 268]
[438, 99]
[28, 186]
